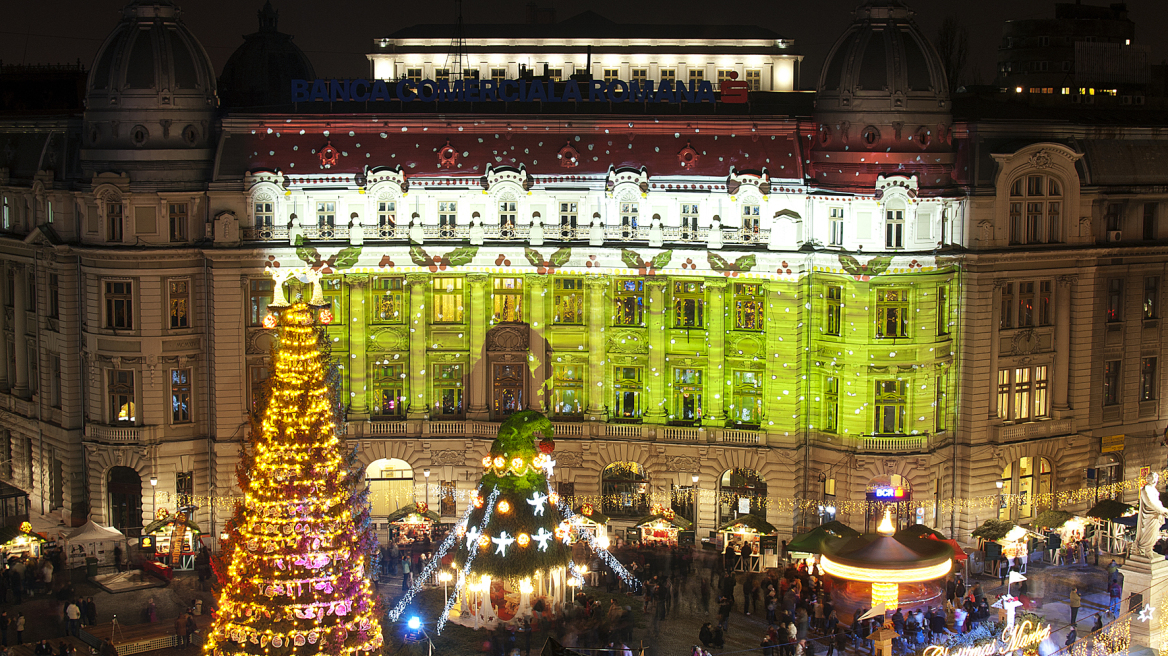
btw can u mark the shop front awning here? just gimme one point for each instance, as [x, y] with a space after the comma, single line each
[160, 524]
[749, 522]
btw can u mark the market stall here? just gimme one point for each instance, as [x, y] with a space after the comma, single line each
[173, 539]
[20, 541]
[94, 543]
[750, 530]
[1115, 521]
[661, 526]
[588, 520]
[413, 524]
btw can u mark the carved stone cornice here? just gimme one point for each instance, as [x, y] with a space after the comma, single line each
[357, 281]
[477, 279]
[596, 281]
[418, 279]
[1067, 280]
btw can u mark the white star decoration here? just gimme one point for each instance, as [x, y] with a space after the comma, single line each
[472, 537]
[542, 537]
[536, 501]
[503, 541]
[1146, 613]
[549, 466]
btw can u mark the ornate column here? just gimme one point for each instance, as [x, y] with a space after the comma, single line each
[418, 406]
[597, 311]
[358, 334]
[995, 342]
[480, 379]
[536, 287]
[20, 331]
[1062, 341]
[715, 400]
[657, 377]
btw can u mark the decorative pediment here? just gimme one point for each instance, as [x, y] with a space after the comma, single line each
[508, 338]
[906, 186]
[627, 340]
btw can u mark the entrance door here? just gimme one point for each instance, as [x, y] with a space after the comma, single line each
[508, 383]
[125, 500]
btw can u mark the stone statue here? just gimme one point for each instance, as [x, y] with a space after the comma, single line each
[656, 233]
[1151, 518]
[714, 240]
[535, 235]
[477, 234]
[596, 232]
[415, 232]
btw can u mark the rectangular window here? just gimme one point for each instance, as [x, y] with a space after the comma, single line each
[1003, 394]
[1111, 382]
[508, 299]
[326, 219]
[1022, 403]
[629, 215]
[260, 298]
[689, 221]
[184, 487]
[1149, 220]
[1025, 304]
[1045, 299]
[7, 217]
[447, 218]
[1006, 319]
[629, 302]
[1147, 379]
[180, 303]
[55, 381]
[257, 375]
[119, 305]
[1023, 393]
[835, 309]
[941, 407]
[498, 74]
[508, 389]
[837, 226]
[894, 229]
[891, 404]
[265, 215]
[754, 79]
[180, 396]
[54, 296]
[750, 221]
[49, 211]
[508, 217]
[687, 394]
[1111, 217]
[568, 301]
[389, 390]
[1015, 223]
[689, 304]
[446, 504]
[386, 219]
[695, 76]
[121, 393]
[1041, 392]
[627, 388]
[942, 310]
[113, 219]
[639, 75]
[441, 74]
[746, 402]
[178, 221]
[831, 404]
[611, 74]
[1114, 300]
[388, 300]
[667, 75]
[414, 75]
[1151, 297]
[448, 300]
[567, 220]
[567, 390]
[448, 390]
[555, 74]
[892, 308]
[748, 306]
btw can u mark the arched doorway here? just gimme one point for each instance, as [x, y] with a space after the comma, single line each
[889, 492]
[741, 492]
[624, 490]
[391, 485]
[124, 487]
[1032, 479]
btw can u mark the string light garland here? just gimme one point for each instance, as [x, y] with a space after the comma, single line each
[465, 569]
[601, 551]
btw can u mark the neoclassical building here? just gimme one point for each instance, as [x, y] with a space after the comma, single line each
[801, 310]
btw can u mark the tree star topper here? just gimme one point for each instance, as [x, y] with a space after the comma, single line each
[542, 537]
[503, 541]
[536, 501]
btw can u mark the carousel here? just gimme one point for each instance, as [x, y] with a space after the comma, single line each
[19, 541]
[173, 539]
[886, 569]
[661, 526]
[750, 530]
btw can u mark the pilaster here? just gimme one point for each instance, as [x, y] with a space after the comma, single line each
[477, 323]
[596, 348]
[995, 344]
[5, 383]
[418, 407]
[358, 334]
[20, 332]
[536, 288]
[1062, 342]
[716, 327]
[657, 378]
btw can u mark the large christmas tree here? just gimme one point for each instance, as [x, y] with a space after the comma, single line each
[301, 542]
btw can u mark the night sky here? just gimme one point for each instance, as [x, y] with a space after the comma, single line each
[336, 34]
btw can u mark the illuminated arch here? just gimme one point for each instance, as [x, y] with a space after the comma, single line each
[737, 484]
[624, 489]
[391, 485]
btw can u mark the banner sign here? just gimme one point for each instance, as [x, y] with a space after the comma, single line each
[618, 91]
[177, 537]
[1111, 443]
[1022, 637]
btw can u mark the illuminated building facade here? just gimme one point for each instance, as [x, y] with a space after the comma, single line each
[786, 301]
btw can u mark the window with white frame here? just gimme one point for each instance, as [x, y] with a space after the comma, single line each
[326, 218]
[629, 217]
[667, 75]
[567, 220]
[447, 218]
[1024, 393]
[265, 216]
[894, 227]
[754, 79]
[639, 75]
[836, 215]
[695, 75]
[1035, 210]
[386, 217]
[508, 217]
[689, 221]
[751, 221]
[122, 402]
[180, 396]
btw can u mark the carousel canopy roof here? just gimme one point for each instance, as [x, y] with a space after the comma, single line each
[159, 523]
[596, 516]
[876, 551]
[404, 512]
[10, 533]
[918, 531]
[812, 541]
[677, 520]
[91, 531]
[751, 522]
[1109, 509]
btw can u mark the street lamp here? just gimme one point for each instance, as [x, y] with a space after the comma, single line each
[426, 473]
[154, 495]
[694, 492]
[999, 509]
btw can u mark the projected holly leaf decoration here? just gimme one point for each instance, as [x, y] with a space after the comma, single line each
[420, 256]
[727, 268]
[560, 257]
[462, 255]
[347, 257]
[632, 259]
[873, 267]
[661, 260]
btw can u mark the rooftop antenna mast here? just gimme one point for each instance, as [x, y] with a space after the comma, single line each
[458, 49]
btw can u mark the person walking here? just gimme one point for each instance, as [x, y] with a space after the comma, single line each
[89, 610]
[1116, 592]
[180, 630]
[1075, 603]
[20, 628]
[73, 619]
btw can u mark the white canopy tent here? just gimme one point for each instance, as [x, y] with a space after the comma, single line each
[91, 540]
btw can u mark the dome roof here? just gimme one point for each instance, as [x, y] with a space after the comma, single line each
[883, 61]
[260, 71]
[151, 61]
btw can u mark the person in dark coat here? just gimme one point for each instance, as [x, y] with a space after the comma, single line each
[706, 635]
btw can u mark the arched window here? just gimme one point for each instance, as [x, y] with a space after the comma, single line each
[889, 492]
[124, 487]
[1032, 479]
[1035, 210]
[391, 485]
[625, 490]
[741, 492]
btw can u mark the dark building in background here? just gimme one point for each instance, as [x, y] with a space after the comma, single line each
[259, 72]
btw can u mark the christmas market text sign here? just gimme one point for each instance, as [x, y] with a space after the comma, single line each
[1023, 636]
[618, 91]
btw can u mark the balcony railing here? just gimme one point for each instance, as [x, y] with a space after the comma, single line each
[1033, 429]
[123, 434]
[897, 444]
